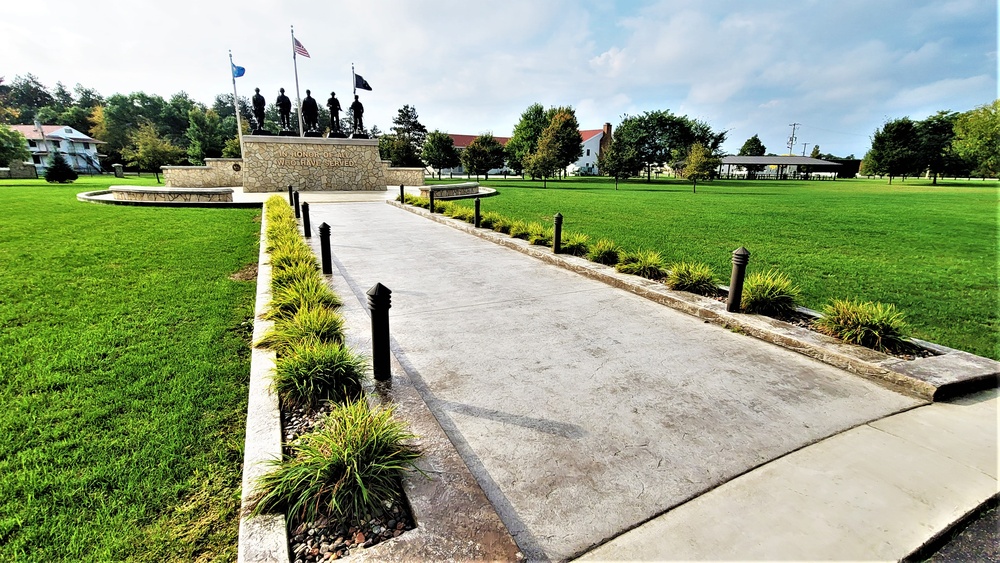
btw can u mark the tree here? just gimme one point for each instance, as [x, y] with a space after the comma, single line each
[701, 165]
[59, 171]
[483, 154]
[399, 151]
[753, 147]
[977, 138]
[545, 160]
[618, 161]
[439, 151]
[8, 114]
[27, 95]
[204, 135]
[815, 152]
[565, 132]
[524, 139]
[407, 128]
[13, 146]
[148, 151]
[895, 149]
[659, 136]
[936, 134]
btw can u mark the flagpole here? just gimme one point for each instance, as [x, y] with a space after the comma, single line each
[236, 104]
[354, 79]
[298, 98]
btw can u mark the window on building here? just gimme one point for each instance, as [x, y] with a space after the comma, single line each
[55, 144]
[32, 144]
[588, 152]
[86, 146]
[68, 130]
[36, 159]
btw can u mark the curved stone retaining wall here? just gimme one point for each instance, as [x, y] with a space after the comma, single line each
[217, 173]
[138, 193]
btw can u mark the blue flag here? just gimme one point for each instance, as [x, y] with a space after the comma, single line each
[360, 83]
[238, 71]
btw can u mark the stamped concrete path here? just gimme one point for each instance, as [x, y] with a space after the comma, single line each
[583, 410]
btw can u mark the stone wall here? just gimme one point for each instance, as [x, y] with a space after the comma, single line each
[271, 164]
[404, 176]
[142, 193]
[217, 173]
[19, 171]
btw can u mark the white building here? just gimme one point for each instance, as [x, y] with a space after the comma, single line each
[79, 150]
[595, 141]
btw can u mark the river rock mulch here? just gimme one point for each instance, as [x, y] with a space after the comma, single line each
[328, 539]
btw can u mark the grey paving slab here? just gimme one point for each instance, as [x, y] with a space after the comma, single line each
[583, 410]
[876, 492]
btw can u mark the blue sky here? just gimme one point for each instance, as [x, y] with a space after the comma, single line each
[840, 69]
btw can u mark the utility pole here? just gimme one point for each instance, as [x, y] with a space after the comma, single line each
[804, 148]
[791, 140]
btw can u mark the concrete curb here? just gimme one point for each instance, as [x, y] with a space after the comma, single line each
[262, 538]
[949, 374]
[94, 197]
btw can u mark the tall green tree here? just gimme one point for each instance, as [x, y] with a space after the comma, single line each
[407, 128]
[618, 162]
[565, 132]
[524, 139]
[483, 154]
[977, 138]
[815, 152]
[700, 165]
[13, 146]
[659, 137]
[204, 135]
[439, 151]
[936, 134]
[149, 151]
[544, 162]
[895, 150]
[753, 147]
[27, 95]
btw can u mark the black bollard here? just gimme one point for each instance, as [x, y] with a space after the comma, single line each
[431, 193]
[306, 228]
[479, 216]
[557, 234]
[324, 248]
[296, 205]
[401, 198]
[379, 301]
[291, 200]
[741, 257]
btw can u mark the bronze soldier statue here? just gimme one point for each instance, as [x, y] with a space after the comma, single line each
[258, 108]
[284, 109]
[333, 104]
[358, 112]
[310, 112]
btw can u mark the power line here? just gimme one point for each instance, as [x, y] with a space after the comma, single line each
[791, 139]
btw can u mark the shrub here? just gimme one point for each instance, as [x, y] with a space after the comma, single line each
[489, 219]
[645, 263]
[59, 171]
[576, 244]
[311, 325]
[283, 258]
[604, 252]
[519, 229]
[349, 468]
[297, 271]
[309, 374]
[769, 294]
[502, 224]
[694, 277]
[301, 294]
[539, 235]
[875, 325]
[463, 213]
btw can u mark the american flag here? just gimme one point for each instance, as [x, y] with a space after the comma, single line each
[299, 48]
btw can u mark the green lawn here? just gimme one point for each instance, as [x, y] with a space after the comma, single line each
[124, 362]
[931, 250]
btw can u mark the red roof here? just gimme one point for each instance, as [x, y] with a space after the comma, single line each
[462, 141]
[590, 134]
[52, 132]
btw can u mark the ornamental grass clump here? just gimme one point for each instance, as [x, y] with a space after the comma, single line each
[771, 294]
[604, 252]
[519, 229]
[501, 224]
[539, 235]
[282, 278]
[576, 244]
[490, 219]
[311, 373]
[286, 257]
[348, 469]
[301, 294]
[645, 263]
[311, 325]
[695, 277]
[875, 325]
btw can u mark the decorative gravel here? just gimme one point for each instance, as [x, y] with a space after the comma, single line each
[327, 539]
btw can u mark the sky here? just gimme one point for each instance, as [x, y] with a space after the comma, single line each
[839, 69]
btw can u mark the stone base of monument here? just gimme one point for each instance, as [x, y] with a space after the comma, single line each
[337, 135]
[358, 136]
[271, 164]
[313, 134]
[261, 132]
[289, 133]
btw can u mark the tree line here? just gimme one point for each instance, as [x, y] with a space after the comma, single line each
[947, 143]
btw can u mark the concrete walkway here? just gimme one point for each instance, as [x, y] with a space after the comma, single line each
[585, 411]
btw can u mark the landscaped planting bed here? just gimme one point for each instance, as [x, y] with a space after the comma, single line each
[338, 482]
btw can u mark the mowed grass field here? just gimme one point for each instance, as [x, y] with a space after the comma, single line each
[124, 362]
[930, 250]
